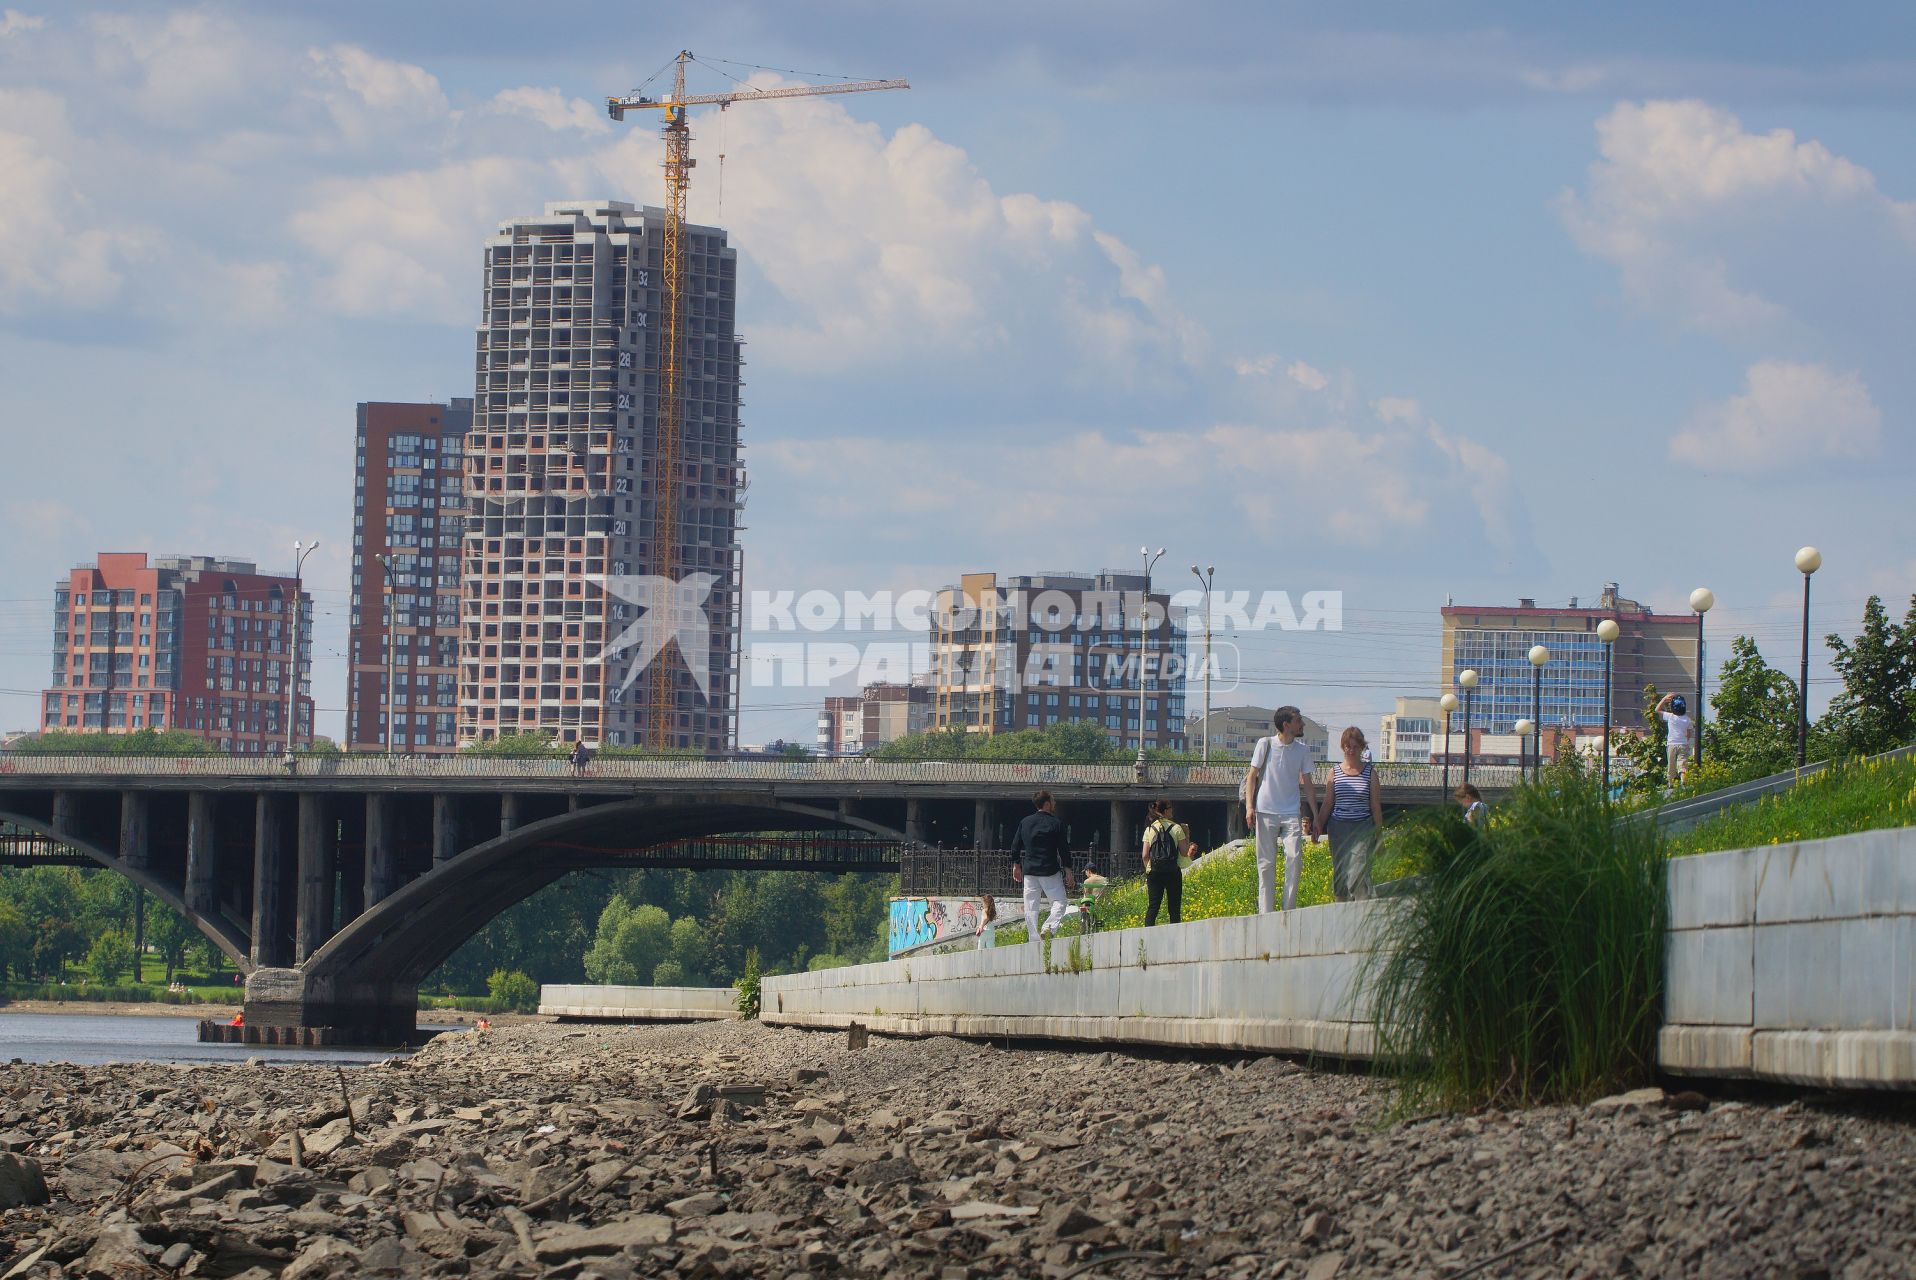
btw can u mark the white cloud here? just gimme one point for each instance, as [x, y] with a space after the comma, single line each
[1306, 377]
[12, 21]
[1398, 409]
[1788, 415]
[552, 109]
[189, 66]
[54, 250]
[1728, 230]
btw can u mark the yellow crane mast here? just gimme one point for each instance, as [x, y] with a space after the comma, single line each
[665, 463]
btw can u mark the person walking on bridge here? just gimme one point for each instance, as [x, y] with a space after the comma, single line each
[1280, 769]
[1041, 863]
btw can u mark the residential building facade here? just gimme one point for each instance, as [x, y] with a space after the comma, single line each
[1234, 731]
[1405, 735]
[1056, 648]
[192, 643]
[1495, 641]
[563, 476]
[409, 521]
[880, 713]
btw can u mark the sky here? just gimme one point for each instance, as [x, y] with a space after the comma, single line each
[1407, 302]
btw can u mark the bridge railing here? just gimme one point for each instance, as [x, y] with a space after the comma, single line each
[374, 767]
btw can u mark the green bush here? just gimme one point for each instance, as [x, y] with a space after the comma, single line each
[1528, 967]
[512, 991]
[748, 984]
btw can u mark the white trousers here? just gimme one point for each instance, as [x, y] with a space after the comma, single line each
[1274, 829]
[1037, 889]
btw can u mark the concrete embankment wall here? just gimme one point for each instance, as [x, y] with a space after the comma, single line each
[1792, 962]
[639, 1004]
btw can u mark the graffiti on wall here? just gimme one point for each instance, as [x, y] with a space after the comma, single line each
[919, 922]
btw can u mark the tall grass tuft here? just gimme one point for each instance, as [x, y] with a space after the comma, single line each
[1528, 966]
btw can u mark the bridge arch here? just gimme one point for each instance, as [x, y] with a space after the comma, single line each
[220, 931]
[407, 935]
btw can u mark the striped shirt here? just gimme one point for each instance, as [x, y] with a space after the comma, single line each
[1353, 794]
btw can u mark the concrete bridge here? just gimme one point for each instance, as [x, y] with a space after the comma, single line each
[338, 883]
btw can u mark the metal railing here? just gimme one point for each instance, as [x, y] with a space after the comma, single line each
[374, 766]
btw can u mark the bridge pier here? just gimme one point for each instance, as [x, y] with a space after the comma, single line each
[344, 1012]
[511, 813]
[445, 828]
[983, 812]
[914, 821]
[269, 883]
[382, 855]
[1122, 841]
[202, 856]
[133, 829]
[1234, 822]
[318, 851]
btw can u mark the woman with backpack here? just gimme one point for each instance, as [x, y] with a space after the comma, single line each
[1356, 811]
[1164, 840]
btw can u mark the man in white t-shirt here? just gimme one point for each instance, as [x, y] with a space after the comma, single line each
[1279, 781]
[1680, 745]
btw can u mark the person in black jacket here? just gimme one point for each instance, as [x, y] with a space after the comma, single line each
[1041, 863]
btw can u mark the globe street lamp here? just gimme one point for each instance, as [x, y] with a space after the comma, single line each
[1607, 631]
[1449, 703]
[1539, 657]
[1523, 728]
[300, 552]
[1204, 750]
[1701, 601]
[1467, 681]
[1808, 561]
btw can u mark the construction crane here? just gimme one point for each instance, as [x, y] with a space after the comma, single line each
[665, 464]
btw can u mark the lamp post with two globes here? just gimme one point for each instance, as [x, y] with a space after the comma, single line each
[1524, 728]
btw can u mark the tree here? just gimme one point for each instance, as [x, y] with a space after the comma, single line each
[110, 956]
[168, 933]
[631, 942]
[1876, 710]
[689, 953]
[1644, 752]
[668, 973]
[16, 941]
[529, 743]
[1753, 732]
[511, 989]
[141, 742]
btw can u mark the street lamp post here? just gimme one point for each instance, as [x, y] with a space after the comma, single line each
[292, 677]
[1523, 728]
[1539, 658]
[1701, 601]
[1467, 681]
[1449, 704]
[1144, 640]
[1808, 561]
[1607, 631]
[392, 617]
[1204, 750]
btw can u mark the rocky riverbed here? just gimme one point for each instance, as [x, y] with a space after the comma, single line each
[733, 1149]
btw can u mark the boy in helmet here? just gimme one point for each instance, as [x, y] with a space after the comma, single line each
[1680, 747]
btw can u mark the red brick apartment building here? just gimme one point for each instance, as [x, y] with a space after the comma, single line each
[192, 643]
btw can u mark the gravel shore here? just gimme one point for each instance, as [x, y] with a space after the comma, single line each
[730, 1149]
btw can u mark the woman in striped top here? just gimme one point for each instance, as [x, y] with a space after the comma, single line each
[1356, 814]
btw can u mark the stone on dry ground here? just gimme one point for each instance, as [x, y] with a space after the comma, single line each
[734, 1149]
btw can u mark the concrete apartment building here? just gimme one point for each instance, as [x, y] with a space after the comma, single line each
[1495, 641]
[1058, 648]
[1405, 735]
[1234, 732]
[409, 511]
[877, 714]
[193, 643]
[562, 478]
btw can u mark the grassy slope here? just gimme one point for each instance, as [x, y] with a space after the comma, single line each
[1854, 796]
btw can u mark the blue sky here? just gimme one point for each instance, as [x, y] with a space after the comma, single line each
[1403, 301]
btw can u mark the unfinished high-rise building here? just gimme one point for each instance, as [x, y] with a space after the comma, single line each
[562, 475]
